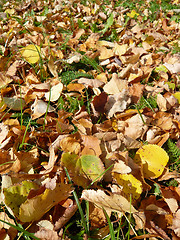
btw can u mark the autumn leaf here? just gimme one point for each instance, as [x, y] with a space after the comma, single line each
[132, 14]
[31, 53]
[110, 202]
[153, 159]
[33, 209]
[84, 169]
[16, 195]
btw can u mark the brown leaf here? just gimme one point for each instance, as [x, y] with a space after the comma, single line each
[91, 145]
[69, 211]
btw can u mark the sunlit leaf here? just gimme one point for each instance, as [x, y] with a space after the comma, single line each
[177, 96]
[161, 68]
[132, 187]
[16, 195]
[132, 14]
[153, 160]
[91, 166]
[33, 209]
[83, 169]
[31, 53]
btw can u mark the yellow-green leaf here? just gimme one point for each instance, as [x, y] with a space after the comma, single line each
[31, 53]
[33, 209]
[83, 170]
[16, 195]
[153, 160]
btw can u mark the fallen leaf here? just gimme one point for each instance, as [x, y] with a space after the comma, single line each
[16, 195]
[14, 103]
[31, 53]
[33, 209]
[54, 93]
[84, 169]
[110, 202]
[117, 103]
[153, 159]
[39, 108]
[115, 85]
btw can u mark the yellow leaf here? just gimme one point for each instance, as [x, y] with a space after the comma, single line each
[17, 194]
[177, 96]
[132, 187]
[149, 39]
[153, 160]
[33, 209]
[31, 53]
[132, 14]
[10, 11]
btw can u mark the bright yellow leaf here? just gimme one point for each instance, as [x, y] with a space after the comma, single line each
[132, 14]
[177, 96]
[153, 160]
[132, 187]
[10, 11]
[31, 53]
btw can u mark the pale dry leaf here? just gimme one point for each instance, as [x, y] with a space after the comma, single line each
[39, 108]
[46, 234]
[173, 68]
[105, 53]
[45, 224]
[70, 144]
[176, 223]
[170, 198]
[110, 202]
[75, 57]
[136, 127]
[121, 167]
[91, 145]
[161, 102]
[117, 103]
[115, 85]
[54, 93]
[13, 68]
[45, 86]
[3, 132]
[52, 67]
[120, 49]
[4, 80]
[52, 159]
[94, 83]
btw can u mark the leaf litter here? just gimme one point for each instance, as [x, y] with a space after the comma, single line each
[92, 90]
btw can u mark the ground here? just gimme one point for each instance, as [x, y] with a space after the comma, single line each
[90, 125]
